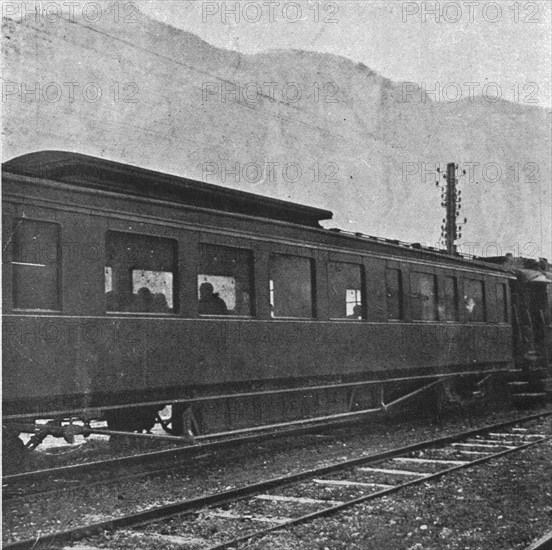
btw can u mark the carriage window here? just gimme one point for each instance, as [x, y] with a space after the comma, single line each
[474, 300]
[36, 265]
[140, 273]
[345, 290]
[451, 299]
[501, 303]
[291, 286]
[225, 281]
[393, 290]
[424, 303]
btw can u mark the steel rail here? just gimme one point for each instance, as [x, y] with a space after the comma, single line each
[203, 443]
[544, 543]
[232, 495]
[218, 440]
[36, 475]
[372, 496]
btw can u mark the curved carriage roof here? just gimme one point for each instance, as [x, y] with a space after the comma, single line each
[87, 171]
[96, 173]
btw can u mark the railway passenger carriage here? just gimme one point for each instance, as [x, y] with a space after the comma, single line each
[113, 283]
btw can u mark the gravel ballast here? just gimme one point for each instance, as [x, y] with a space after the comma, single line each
[502, 505]
[237, 467]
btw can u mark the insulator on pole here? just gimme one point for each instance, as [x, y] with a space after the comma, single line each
[451, 202]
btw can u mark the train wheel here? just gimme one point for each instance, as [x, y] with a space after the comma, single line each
[129, 419]
[14, 452]
[184, 421]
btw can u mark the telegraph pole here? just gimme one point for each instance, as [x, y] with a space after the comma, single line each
[451, 202]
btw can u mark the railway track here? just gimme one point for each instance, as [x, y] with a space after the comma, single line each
[543, 543]
[287, 501]
[14, 484]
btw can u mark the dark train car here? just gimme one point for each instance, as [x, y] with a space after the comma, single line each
[531, 312]
[126, 289]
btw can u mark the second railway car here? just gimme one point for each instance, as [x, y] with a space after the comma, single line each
[126, 290]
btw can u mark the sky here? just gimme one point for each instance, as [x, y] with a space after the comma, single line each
[432, 44]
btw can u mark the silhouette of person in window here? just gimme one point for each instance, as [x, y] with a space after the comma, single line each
[143, 300]
[159, 303]
[357, 312]
[469, 303]
[210, 303]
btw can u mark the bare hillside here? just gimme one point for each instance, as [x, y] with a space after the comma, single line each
[350, 143]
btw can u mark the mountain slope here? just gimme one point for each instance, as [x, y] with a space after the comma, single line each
[363, 151]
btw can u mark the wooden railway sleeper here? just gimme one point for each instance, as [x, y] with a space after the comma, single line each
[228, 496]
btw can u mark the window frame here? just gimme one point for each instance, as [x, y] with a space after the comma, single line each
[363, 296]
[175, 240]
[231, 244]
[285, 251]
[413, 293]
[506, 312]
[456, 280]
[485, 313]
[59, 270]
[400, 293]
